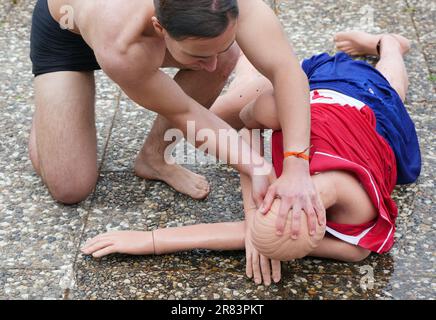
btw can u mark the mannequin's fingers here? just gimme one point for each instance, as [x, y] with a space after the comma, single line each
[104, 252]
[266, 270]
[96, 246]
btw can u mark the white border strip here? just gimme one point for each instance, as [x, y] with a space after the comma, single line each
[389, 234]
[335, 97]
[350, 239]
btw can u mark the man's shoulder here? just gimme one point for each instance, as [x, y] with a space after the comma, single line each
[113, 20]
[117, 35]
[134, 61]
[250, 11]
[245, 6]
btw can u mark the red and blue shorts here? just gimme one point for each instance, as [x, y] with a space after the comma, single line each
[344, 138]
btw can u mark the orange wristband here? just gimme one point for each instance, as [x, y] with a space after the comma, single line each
[300, 155]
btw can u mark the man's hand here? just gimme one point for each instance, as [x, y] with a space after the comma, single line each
[296, 190]
[260, 185]
[258, 266]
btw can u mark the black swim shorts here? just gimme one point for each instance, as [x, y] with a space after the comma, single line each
[55, 49]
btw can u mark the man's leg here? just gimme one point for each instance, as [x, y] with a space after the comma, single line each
[393, 47]
[246, 87]
[204, 87]
[62, 146]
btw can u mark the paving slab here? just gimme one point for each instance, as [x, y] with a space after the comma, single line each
[131, 125]
[423, 13]
[35, 230]
[127, 282]
[311, 26]
[26, 284]
[5, 8]
[416, 249]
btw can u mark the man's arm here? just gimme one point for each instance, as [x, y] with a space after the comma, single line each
[156, 91]
[262, 39]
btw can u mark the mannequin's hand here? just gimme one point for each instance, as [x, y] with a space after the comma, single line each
[128, 242]
[258, 266]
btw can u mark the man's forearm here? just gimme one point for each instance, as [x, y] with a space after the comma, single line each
[291, 91]
[225, 144]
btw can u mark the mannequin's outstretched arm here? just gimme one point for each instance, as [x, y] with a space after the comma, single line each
[214, 236]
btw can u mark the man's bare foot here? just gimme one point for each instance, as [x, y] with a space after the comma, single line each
[176, 176]
[359, 43]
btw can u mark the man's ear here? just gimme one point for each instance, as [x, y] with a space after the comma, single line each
[158, 27]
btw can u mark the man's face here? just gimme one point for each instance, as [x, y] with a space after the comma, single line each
[201, 53]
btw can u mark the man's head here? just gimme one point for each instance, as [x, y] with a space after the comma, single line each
[283, 248]
[196, 32]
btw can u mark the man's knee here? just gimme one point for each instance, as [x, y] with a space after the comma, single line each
[71, 189]
[283, 248]
[33, 156]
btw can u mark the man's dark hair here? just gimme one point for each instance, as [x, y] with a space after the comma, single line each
[195, 18]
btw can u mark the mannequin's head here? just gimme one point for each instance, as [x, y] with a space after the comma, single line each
[283, 248]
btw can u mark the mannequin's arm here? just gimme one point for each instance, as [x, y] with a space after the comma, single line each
[215, 236]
